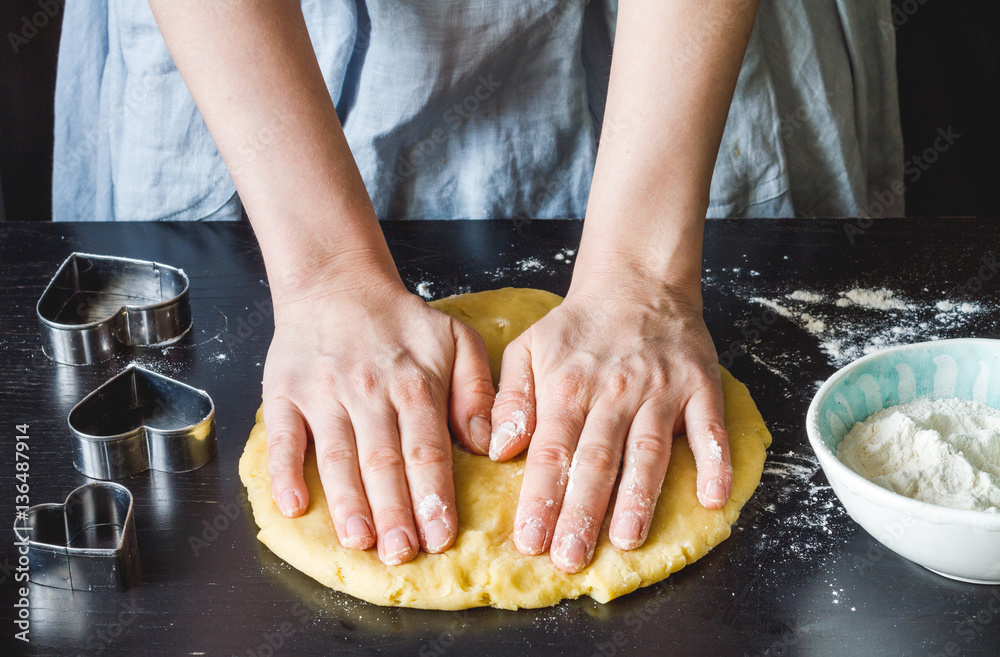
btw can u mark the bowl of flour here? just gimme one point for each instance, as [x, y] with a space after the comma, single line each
[909, 438]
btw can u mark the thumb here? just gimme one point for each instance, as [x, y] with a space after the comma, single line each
[514, 410]
[706, 433]
[472, 390]
[286, 447]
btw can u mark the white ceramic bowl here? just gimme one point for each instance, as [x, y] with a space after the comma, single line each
[956, 543]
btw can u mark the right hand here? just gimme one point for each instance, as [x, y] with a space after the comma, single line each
[366, 372]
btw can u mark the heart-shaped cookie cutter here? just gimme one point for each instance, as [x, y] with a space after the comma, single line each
[140, 420]
[86, 543]
[95, 304]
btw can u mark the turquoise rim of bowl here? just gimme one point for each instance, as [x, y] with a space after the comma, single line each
[966, 368]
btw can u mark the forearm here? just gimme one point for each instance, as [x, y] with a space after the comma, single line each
[252, 71]
[673, 74]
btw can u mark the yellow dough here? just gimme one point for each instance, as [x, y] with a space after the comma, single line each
[483, 568]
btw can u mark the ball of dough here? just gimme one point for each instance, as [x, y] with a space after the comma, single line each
[483, 568]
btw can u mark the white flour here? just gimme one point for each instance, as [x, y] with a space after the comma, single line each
[882, 299]
[942, 451]
[529, 264]
[795, 512]
[424, 290]
[851, 323]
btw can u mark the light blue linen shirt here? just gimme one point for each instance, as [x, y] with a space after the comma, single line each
[483, 109]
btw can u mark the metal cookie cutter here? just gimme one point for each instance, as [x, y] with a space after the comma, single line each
[139, 420]
[95, 303]
[84, 544]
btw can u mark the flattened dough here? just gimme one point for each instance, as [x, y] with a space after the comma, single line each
[484, 568]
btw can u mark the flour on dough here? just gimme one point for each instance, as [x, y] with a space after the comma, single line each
[483, 568]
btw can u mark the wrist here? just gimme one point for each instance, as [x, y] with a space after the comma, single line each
[310, 254]
[303, 277]
[660, 260]
[625, 282]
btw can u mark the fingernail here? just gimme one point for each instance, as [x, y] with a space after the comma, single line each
[437, 533]
[531, 537]
[571, 551]
[359, 534]
[501, 438]
[289, 503]
[395, 547]
[479, 428]
[715, 493]
[627, 530]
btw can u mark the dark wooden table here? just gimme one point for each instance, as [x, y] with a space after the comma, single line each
[797, 577]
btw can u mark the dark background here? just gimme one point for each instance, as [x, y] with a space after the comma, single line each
[949, 74]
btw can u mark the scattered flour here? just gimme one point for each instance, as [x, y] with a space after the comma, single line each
[881, 299]
[813, 325]
[529, 264]
[856, 322]
[424, 290]
[946, 306]
[771, 368]
[803, 295]
[565, 255]
[809, 322]
[803, 518]
[942, 451]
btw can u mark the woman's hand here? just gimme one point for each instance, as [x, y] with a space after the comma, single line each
[611, 374]
[626, 361]
[365, 372]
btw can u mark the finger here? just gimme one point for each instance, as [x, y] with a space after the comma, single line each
[381, 459]
[706, 433]
[591, 478]
[472, 390]
[514, 407]
[427, 460]
[647, 455]
[337, 460]
[561, 418]
[286, 450]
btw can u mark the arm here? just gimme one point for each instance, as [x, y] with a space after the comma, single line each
[672, 79]
[626, 361]
[365, 369]
[251, 68]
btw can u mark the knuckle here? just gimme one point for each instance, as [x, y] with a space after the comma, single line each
[600, 458]
[480, 386]
[555, 456]
[282, 439]
[569, 391]
[647, 447]
[509, 399]
[417, 390]
[382, 458]
[347, 504]
[391, 515]
[427, 454]
[334, 459]
[709, 430]
[368, 380]
[701, 381]
[617, 382]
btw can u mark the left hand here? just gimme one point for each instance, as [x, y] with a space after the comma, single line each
[616, 369]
